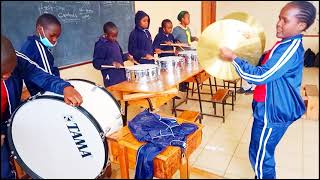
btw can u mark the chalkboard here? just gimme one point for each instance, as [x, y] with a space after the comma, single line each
[82, 24]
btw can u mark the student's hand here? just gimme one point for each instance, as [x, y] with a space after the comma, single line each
[149, 57]
[130, 58]
[72, 96]
[2, 139]
[168, 42]
[227, 54]
[117, 64]
[195, 39]
[176, 52]
[158, 51]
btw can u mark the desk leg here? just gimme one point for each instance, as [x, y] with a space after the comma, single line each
[124, 163]
[199, 96]
[184, 168]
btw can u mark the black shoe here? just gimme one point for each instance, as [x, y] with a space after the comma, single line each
[241, 91]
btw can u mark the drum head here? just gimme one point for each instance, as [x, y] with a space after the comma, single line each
[101, 105]
[51, 139]
[171, 58]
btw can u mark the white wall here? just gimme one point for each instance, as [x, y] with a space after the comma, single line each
[160, 10]
[266, 13]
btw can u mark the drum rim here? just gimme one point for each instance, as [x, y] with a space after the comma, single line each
[14, 152]
[103, 89]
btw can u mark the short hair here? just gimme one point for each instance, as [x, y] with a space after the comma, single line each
[181, 15]
[307, 12]
[108, 27]
[7, 53]
[164, 22]
[47, 19]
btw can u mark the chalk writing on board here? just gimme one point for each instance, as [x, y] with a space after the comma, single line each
[68, 13]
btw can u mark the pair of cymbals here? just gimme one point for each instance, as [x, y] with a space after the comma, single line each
[238, 32]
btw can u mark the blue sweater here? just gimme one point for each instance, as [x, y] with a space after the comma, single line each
[282, 75]
[40, 54]
[140, 41]
[160, 38]
[105, 53]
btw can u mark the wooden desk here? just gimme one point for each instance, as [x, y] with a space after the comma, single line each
[123, 149]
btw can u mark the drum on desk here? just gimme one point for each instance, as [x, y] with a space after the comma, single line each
[171, 63]
[50, 139]
[190, 56]
[142, 72]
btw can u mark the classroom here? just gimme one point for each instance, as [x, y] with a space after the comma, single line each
[160, 89]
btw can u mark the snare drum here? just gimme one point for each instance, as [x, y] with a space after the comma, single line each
[171, 63]
[143, 72]
[50, 139]
[190, 56]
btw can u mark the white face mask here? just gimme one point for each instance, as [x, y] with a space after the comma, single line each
[46, 41]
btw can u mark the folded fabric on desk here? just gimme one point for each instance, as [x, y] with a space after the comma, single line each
[159, 132]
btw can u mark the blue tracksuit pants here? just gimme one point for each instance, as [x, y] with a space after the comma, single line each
[264, 139]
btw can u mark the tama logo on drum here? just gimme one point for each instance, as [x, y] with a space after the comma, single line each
[76, 135]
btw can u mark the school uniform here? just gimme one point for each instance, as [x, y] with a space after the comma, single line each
[40, 54]
[161, 38]
[140, 41]
[276, 101]
[11, 90]
[105, 53]
[182, 34]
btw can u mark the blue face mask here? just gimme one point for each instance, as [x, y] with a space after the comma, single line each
[46, 41]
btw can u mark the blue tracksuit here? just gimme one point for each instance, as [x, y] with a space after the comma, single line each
[140, 41]
[158, 132]
[26, 69]
[160, 38]
[105, 53]
[40, 54]
[281, 75]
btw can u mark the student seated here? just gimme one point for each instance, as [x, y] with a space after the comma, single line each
[164, 36]
[107, 51]
[140, 41]
[37, 47]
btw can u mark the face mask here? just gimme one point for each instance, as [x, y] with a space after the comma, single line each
[46, 41]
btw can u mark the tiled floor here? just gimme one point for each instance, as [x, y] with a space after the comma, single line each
[224, 147]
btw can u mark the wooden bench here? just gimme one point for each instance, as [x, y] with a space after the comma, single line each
[191, 116]
[123, 149]
[221, 97]
[234, 82]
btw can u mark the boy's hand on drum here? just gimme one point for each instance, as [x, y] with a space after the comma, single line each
[158, 51]
[72, 96]
[149, 57]
[117, 64]
[176, 52]
[227, 54]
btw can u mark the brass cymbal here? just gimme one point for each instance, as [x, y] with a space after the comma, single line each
[237, 35]
[244, 17]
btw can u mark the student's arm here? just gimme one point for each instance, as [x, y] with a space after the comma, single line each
[100, 57]
[32, 72]
[284, 57]
[156, 42]
[176, 34]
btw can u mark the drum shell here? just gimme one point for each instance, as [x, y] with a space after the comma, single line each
[143, 75]
[190, 56]
[171, 63]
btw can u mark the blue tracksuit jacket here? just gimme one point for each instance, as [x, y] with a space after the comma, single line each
[40, 54]
[158, 132]
[282, 75]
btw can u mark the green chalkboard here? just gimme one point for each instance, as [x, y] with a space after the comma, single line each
[82, 24]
